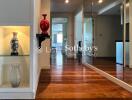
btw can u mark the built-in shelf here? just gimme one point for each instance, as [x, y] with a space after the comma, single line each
[8, 85]
[13, 56]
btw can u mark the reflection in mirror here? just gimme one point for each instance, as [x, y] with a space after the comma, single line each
[104, 33]
[127, 42]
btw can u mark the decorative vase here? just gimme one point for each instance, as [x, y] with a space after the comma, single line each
[15, 78]
[14, 45]
[44, 25]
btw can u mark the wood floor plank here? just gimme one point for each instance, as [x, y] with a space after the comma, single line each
[73, 81]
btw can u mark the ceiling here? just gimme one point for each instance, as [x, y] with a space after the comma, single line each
[60, 6]
[96, 6]
[113, 11]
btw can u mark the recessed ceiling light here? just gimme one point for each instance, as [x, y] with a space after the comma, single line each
[128, 4]
[66, 1]
[100, 1]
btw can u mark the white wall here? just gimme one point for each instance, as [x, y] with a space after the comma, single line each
[36, 69]
[88, 35]
[16, 12]
[106, 30]
[78, 28]
[44, 56]
[130, 34]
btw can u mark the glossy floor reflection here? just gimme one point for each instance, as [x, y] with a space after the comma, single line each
[72, 81]
[116, 70]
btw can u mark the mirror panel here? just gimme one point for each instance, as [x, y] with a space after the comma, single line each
[104, 31]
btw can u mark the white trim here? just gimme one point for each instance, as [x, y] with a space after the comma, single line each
[18, 90]
[130, 34]
[16, 95]
[124, 33]
[16, 24]
[103, 10]
[111, 78]
[37, 82]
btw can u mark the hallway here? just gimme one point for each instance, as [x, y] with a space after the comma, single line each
[71, 81]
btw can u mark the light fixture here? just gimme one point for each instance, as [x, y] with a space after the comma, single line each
[100, 1]
[128, 4]
[66, 1]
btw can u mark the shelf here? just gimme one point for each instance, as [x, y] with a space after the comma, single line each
[13, 56]
[8, 85]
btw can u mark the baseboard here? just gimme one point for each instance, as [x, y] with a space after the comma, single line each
[103, 57]
[110, 58]
[122, 65]
[46, 67]
[111, 78]
[119, 63]
[70, 56]
[130, 66]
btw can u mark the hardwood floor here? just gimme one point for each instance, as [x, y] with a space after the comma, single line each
[116, 70]
[73, 81]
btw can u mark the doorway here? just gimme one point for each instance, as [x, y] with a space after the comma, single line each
[59, 38]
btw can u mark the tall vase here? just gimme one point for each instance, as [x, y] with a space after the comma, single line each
[44, 25]
[14, 45]
[15, 77]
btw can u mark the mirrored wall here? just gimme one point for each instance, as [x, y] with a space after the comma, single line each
[107, 37]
